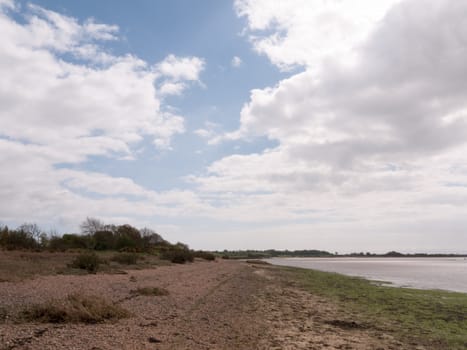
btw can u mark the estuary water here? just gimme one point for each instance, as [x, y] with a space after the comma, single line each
[423, 273]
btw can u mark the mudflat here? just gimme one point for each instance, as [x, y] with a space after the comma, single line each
[205, 305]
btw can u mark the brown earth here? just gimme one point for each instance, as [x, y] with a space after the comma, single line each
[210, 305]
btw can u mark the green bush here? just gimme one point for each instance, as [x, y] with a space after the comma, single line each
[69, 241]
[204, 255]
[103, 240]
[177, 256]
[86, 261]
[126, 237]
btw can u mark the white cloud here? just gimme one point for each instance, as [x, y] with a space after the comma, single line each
[210, 132]
[104, 109]
[170, 88]
[394, 101]
[236, 62]
[363, 142]
[370, 134]
[32, 188]
[7, 4]
[181, 68]
[307, 32]
[61, 111]
[174, 74]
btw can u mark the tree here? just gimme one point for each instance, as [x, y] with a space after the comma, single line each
[151, 237]
[32, 230]
[128, 237]
[103, 240]
[91, 225]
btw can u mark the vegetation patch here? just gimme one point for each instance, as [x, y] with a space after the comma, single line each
[150, 291]
[178, 256]
[86, 261]
[75, 308]
[437, 319]
[204, 255]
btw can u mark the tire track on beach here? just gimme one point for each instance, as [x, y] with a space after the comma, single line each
[224, 317]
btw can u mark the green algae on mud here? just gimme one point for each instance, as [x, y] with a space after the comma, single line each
[433, 318]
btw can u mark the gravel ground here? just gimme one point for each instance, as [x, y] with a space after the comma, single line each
[211, 305]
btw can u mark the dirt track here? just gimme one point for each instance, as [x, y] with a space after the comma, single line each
[211, 305]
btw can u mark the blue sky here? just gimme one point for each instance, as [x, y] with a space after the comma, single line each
[247, 124]
[152, 30]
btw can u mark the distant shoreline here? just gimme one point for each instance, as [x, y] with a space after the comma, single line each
[428, 273]
[313, 253]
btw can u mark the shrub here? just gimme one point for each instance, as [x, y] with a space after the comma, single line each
[128, 237]
[151, 291]
[74, 309]
[125, 258]
[177, 256]
[17, 239]
[87, 261]
[151, 239]
[103, 240]
[205, 255]
[69, 241]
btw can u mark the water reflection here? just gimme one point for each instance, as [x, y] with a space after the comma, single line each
[423, 273]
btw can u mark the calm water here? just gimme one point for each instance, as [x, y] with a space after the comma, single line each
[423, 273]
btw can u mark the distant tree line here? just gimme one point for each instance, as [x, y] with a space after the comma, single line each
[97, 236]
[94, 235]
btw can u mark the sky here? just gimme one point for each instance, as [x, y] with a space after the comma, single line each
[247, 124]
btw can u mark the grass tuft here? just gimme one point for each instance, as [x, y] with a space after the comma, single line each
[75, 308]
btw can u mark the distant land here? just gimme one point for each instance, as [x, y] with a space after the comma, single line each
[313, 253]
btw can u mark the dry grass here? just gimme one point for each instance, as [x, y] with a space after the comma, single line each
[151, 291]
[75, 308]
[16, 266]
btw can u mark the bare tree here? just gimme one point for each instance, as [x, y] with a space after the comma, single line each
[32, 230]
[91, 226]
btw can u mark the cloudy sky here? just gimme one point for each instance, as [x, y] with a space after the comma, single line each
[327, 124]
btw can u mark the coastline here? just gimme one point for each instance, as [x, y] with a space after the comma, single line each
[428, 273]
[209, 305]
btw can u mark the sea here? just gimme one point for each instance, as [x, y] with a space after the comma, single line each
[421, 273]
